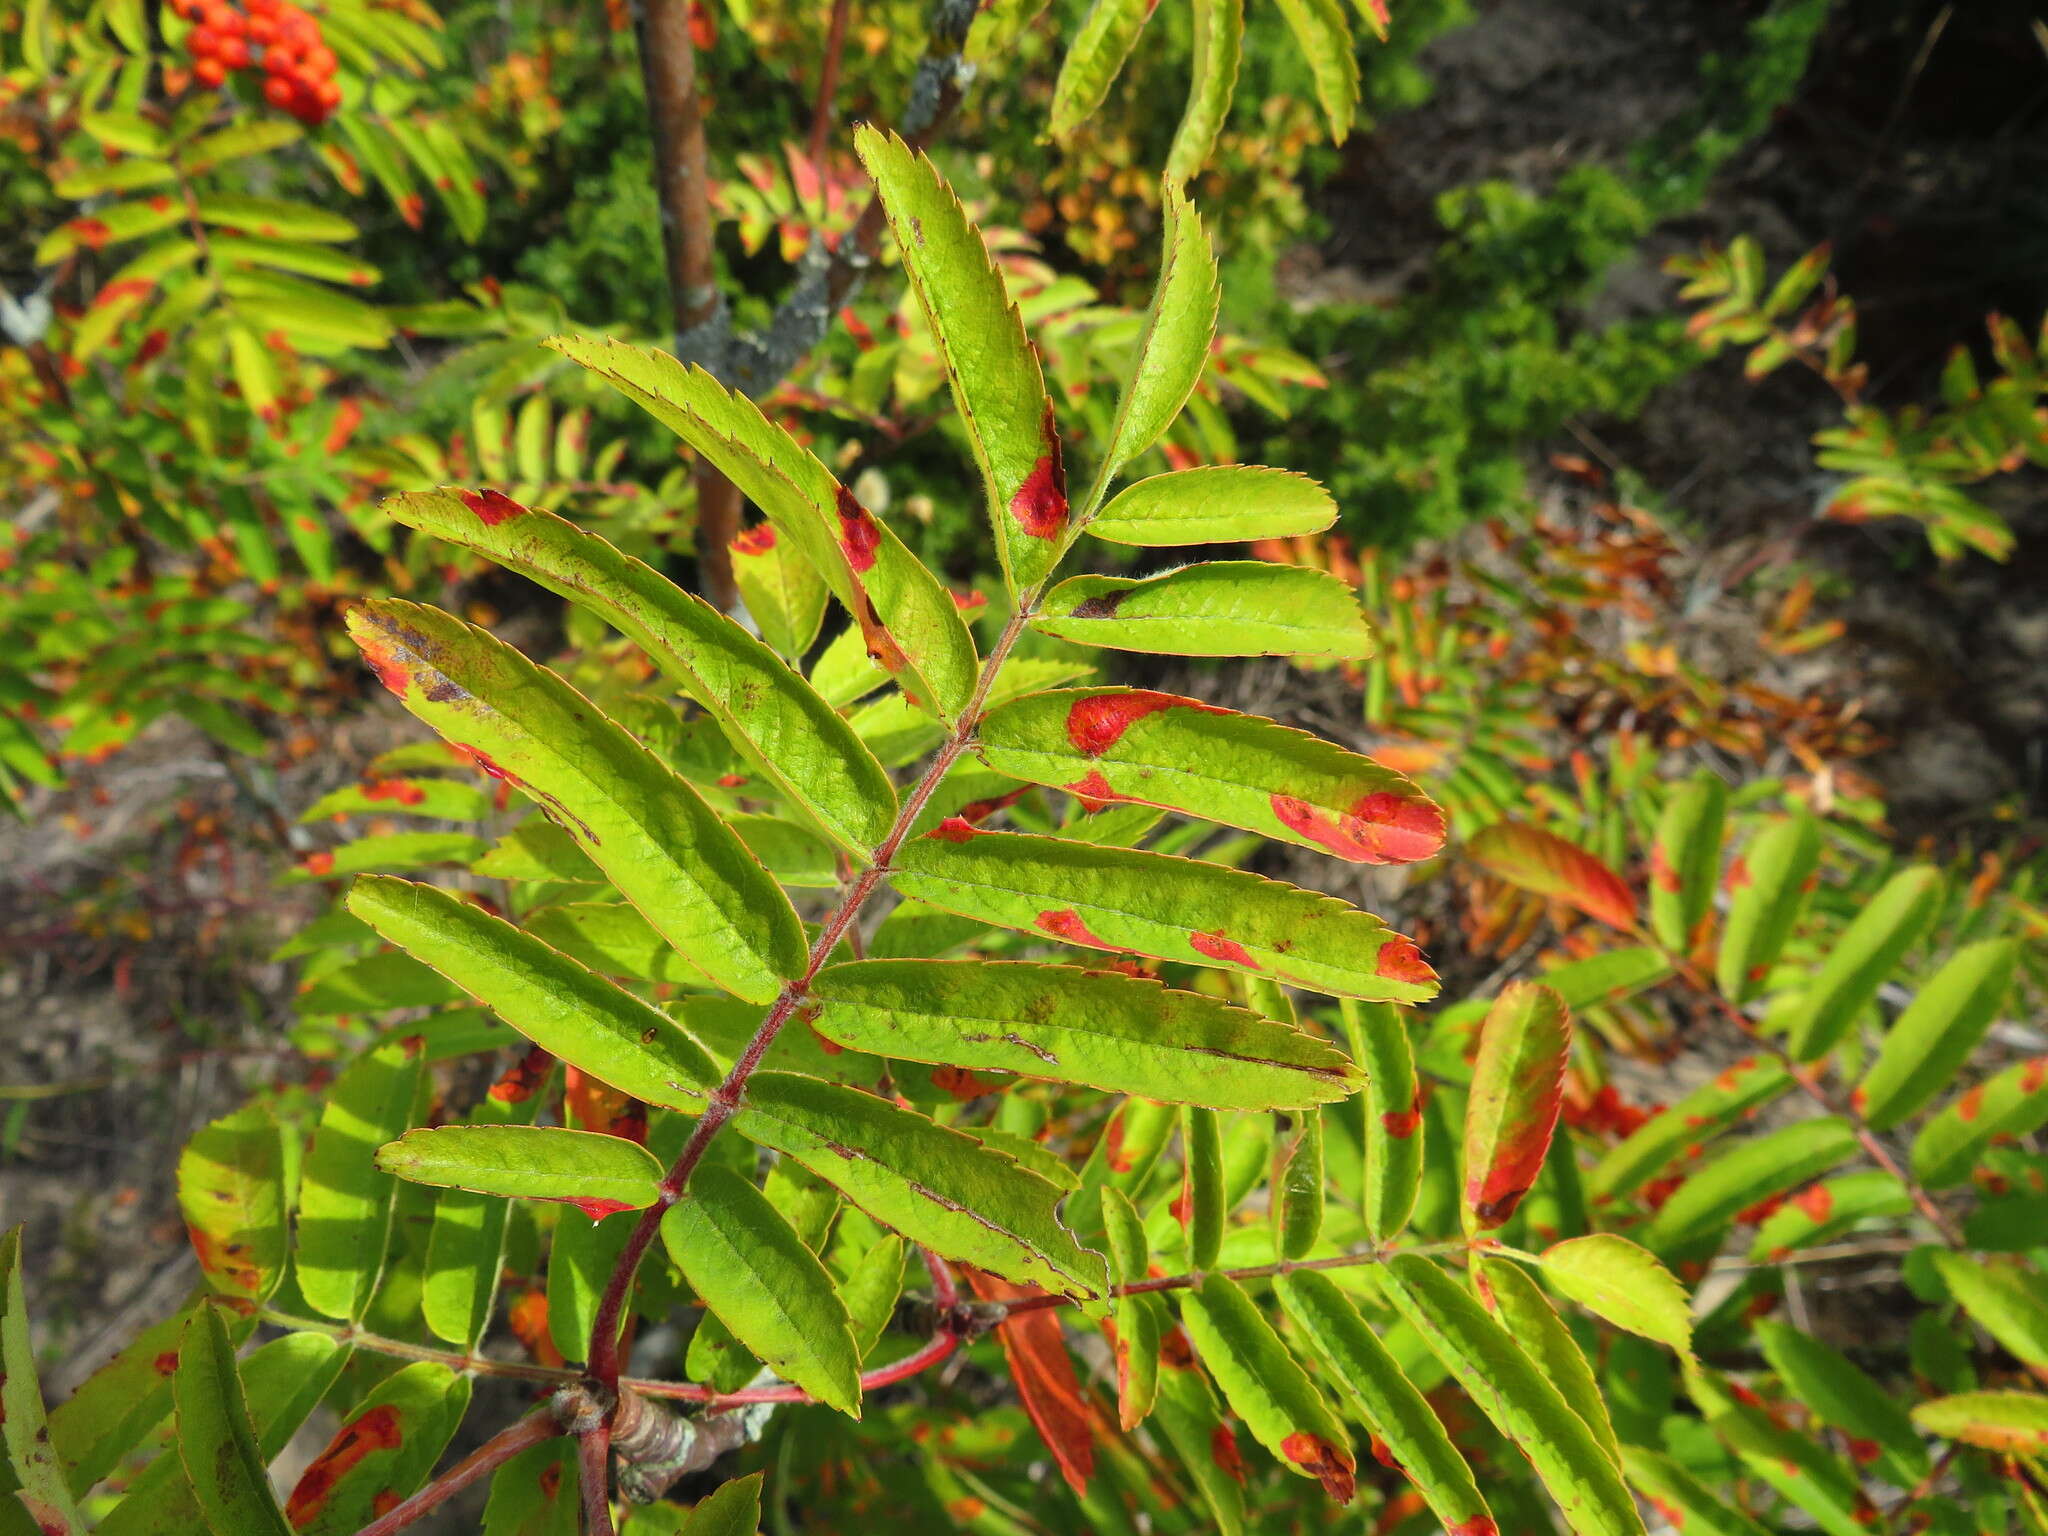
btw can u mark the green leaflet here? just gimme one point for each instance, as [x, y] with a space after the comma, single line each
[1839, 1392]
[231, 1191]
[1796, 1466]
[642, 824]
[611, 938]
[110, 225]
[1712, 1107]
[1681, 1498]
[1325, 38]
[1203, 1207]
[2014, 1103]
[1545, 864]
[442, 799]
[746, 1262]
[1827, 1210]
[2013, 1422]
[783, 591]
[344, 1201]
[1170, 908]
[272, 219]
[389, 852]
[1751, 1171]
[1219, 41]
[1265, 1387]
[1193, 1423]
[997, 386]
[536, 1493]
[1685, 858]
[466, 1245]
[1122, 1034]
[31, 1471]
[1517, 1397]
[1298, 1185]
[1216, 504]
[872, 1290]
[1378, 1034]
[908, 619]
[2007, 1301]
[588, 1022]
[1517, 1092]
[215, 1439]
[1611, 977]
[1216, 608]
[1861, 960]
[766, 710]
[597, 1174]
[1138, 1318]
[375, 984]
[1530, 1320]
[1617, 1280]
[282, 1383]
[1101, 44]
[1396, 1413]
[733, 1508]
[938, 1187]
[387, 1447]
[580, 1260]
[1932, 1040]
[1173, 348]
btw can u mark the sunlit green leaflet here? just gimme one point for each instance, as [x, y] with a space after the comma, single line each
[215, 1439]
[782, 591]
[1798, 1468]
[1219, 43]
[1517, 1093]
[907, 618]
[231, 1190]
[767, 711]
[644, 825]
[1837, 1391]
[1378, 1035]
[1170, 908]
[1214, 504]
[1118, 1033]
[1623, 1283]
[1860, 961]
[1681, 1498]
[1745, 1174]
[1203, 1207]
[1712, 1107]
[1532, 1322]
[998, 388]
[1931, 1041]
[2014, 1103]
[2007, 1300]
[1094, 57]
[596, 1173]
[1996, 1421]
[1324, 36]
[1684, 859]
[752, 1269]
[1300, 1183]
[466, 1245]
[1217, 608]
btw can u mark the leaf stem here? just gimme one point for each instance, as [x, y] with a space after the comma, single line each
[537, 1426]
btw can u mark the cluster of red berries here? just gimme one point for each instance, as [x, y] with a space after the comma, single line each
[274, 36]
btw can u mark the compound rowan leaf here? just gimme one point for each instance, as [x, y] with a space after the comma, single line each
[1517, 1093]
[1931, 1041]
[941, 1189]
[590, 1023]
[2007, 1301]
[1170, 908]
[216, 1441]
[1266, 1387]
[1217, 608]
[1545, 864]
[1192, 1421]
[1623, 1283]
[1219, 43]
[1214, 504]
[1378, 1035]
[640, 822]
[1397, 1414]
[1526, 1313]
[1685, 856]
[2015, 1423]
[382, 1453]
[1839, 1392]
[907, 618]
[1510, 1390]
[1122, 1034]
[997, 386]
[1723, 1100]
[2012, 1104]
[231, 1189]
[1183, 755]
[1768, 885]
[1173, 347]
[1750, 1172]
[345, 1201]
[747, 1263]
[1101, 44]
[1685, 1503]
[1324, 37]
[1861, 960]
[766, 710]
[31, 1472]
[596, 1173]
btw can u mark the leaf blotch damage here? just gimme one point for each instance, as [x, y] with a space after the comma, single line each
[859, 534]
[492, 507]
[1329, 1464]
[1098, 721]
[1400, 960]
[1218, 946]
[1040, 505]
[377, 1430]
[1382, 828]
[1067, 924]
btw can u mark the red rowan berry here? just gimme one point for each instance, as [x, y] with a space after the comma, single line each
[210, 72]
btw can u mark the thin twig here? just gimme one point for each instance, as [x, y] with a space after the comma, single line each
[593, 1468]
[537, 1426]
[828, 83]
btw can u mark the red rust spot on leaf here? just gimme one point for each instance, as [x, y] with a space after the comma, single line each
[2034, 1074]
[1066, 924]
[1400, 960]
[1816, 1200]
[1403, 1123]
[525, 1076]
[1662, 875]
[597, 1210]
[492, 507]
[1175, 1352]
[377, 1430]
[731, 780]
[754, 541]
[859, 533]
[165, 1363]
[1224, 1452]
[1862, 1452]
[1217, 946]
[317, 863]
[1093, 790]
[1097, 722]
[1384, 1455]
[1970, 1105]
[1738, 873]
[957, 829]
[92, 233]
[1382, 828]
[1331, 1464]
[1040, 505]
[397, 790]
